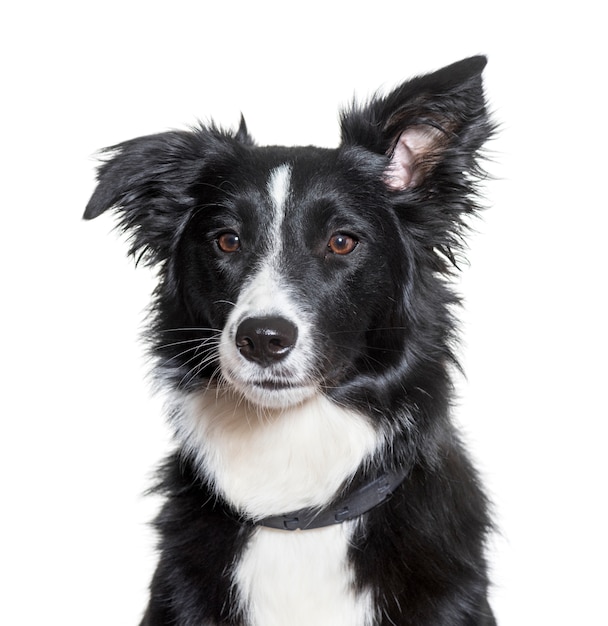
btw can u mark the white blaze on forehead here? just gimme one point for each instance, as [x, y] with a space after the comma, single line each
[265, 292]
[278, 188]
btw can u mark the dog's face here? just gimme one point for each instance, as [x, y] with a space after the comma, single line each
[287, 272]
[291, 266]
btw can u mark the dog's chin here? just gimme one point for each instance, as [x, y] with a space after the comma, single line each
[268, 394]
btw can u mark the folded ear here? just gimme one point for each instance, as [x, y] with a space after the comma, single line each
[423, 122]
[146, 180]
[149, 181]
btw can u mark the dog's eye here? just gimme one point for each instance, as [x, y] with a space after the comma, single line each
[341, 243]
[229, 242]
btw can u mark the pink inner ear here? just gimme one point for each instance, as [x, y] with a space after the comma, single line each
[413, 145]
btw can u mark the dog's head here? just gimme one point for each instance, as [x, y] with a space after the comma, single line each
[284, 272]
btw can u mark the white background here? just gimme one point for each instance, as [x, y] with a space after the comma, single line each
[80, 433]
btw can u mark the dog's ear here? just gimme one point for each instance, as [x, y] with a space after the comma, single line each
[439, 118]
[149, 182]
[242, 134]
[146, 180]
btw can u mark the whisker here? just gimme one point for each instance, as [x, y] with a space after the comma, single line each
[192, 329]
[184, 341]
[209, 357]
[229, 302]
[194, 357]
[205, 346]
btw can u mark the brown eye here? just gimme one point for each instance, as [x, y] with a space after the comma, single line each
[342, 244]
[229, 242]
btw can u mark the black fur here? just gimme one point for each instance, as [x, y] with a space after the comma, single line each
[387, 331]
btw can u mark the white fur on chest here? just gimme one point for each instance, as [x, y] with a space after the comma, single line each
[301, 578]
[276, 461]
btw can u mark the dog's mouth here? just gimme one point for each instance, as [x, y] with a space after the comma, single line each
[274, 384]
[274, 392]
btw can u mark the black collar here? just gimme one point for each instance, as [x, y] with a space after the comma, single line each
[356, 503]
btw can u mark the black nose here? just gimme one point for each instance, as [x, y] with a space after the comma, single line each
[265, 340]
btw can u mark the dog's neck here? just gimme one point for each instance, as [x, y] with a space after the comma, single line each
[354, 504]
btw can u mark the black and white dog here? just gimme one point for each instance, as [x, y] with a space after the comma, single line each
[302, 326]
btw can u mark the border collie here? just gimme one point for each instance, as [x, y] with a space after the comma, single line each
[303, 330]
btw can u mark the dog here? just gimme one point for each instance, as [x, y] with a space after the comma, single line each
[303, 331]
